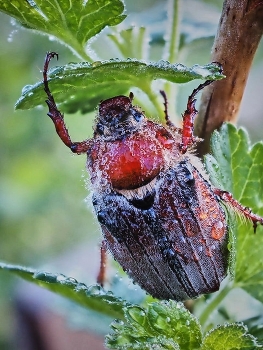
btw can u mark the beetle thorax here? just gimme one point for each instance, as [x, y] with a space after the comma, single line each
[134, 160]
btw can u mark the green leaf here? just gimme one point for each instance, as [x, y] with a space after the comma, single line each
[255, 327]
[164, 325]
[83, 85]
[93, 297]
[72, 22]
[230, 337]
[238, 168]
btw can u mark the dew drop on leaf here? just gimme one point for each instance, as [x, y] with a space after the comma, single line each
[61, 278]
[95, 290]
[26, 88]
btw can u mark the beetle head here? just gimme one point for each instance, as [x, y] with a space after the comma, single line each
[118, 117]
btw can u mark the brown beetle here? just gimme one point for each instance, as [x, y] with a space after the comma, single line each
[161, 218]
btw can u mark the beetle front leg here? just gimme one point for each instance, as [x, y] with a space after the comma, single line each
[245, 211]
[57, 117]
[188, 138]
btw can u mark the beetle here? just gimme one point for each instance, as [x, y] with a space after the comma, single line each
[161, 218]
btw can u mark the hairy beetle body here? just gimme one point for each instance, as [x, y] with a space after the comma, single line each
[174, 248]
[161, 218]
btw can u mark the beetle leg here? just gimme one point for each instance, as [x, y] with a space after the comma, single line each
[103, 262]
[245, 211]
[57, 117]
[188, 138]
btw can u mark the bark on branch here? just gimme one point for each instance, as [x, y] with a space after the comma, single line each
[239, 32]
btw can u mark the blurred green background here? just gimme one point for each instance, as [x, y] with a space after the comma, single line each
[42, 185]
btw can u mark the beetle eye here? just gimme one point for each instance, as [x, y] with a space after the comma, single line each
[138, 116]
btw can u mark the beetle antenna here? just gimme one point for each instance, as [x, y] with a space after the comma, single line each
[169, 123]
[131, 96]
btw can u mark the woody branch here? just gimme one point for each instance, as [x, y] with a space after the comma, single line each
[239, 32]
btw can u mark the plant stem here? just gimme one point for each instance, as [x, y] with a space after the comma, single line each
[239, 32]
[213, 304]
[77, 49]
[173, 34]
[172, 47]
[154, 100]
[141, 45]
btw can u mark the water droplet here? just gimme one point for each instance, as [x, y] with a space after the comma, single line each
[51, 37]
[201, 71]
[96, 63]
[160, 322]
[72, 280]
[26, 89]
[169, 253]
[137, 314]
[61, 278]
[80, 287]
[218, 230]
[46, 277]
[95, 290]
[117, 324]
[180, 67]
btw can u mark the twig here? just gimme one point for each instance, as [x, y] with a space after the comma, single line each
[239, 32]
